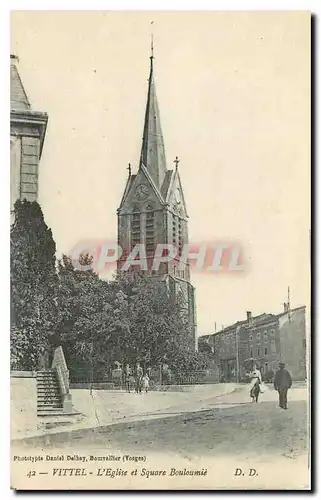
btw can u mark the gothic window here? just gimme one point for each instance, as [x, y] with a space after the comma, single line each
[180, 238]
[150, 230]
[135, 228]
[174, 229]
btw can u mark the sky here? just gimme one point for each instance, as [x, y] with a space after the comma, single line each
[234, 96]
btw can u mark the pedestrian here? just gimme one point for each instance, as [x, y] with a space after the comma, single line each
[127, 377]
[145, 382]
[282, 383]
[139, 376]
[256, 382]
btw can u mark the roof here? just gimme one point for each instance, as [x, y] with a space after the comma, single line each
[18, 97]
[256, 321]
[166, 183]
[21, 112]
[153, 150]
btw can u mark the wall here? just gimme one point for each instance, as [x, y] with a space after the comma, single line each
[29, 168]
[23, 392]
[265, 338]
[15, 157]
[293, 342]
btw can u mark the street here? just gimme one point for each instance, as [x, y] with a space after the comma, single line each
[198, 425]
[222, 434]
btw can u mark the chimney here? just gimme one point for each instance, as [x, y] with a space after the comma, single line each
[286, 307]
[249, 316]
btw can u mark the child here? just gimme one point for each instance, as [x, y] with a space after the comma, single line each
[146, 382]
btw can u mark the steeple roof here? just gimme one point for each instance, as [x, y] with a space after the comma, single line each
[153, 151]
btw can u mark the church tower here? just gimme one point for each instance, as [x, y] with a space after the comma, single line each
[152, 210]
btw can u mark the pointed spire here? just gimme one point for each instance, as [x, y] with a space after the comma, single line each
[153, 151]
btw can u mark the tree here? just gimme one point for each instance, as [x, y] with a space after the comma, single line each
[156, 326]
[33, 286]
[86, 320]
[129, 319]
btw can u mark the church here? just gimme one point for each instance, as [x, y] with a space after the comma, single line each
[153, 211]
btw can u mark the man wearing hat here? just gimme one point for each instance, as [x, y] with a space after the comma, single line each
[282, 382]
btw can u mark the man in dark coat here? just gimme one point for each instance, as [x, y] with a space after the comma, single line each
[282, 382]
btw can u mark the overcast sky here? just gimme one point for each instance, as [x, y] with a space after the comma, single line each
[233, 90]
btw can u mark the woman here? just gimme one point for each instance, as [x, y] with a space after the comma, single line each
[256, 381]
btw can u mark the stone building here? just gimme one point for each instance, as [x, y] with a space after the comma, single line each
[153, 211]
[27, 134]
[267, 338]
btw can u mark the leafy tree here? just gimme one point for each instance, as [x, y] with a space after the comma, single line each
[156, 324]
[33, 286]
[86, 320]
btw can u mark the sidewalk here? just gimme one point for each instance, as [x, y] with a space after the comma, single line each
[104, 407]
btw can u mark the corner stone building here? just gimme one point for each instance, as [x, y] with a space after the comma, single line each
[153, 210]
[27, 134]
[267, 338]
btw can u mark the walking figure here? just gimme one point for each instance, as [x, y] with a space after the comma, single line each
[145, 382]
[282, 383]
[255, 385]
[138, 378]
[127, 377]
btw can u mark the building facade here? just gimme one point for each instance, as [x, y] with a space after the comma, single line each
[153, 211]
[27, 134]
[267, 339]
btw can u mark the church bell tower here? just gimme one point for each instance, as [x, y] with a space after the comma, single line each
[153, 211]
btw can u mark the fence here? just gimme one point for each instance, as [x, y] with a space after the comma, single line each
[115, 379]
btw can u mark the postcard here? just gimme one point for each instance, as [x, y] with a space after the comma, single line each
[160, 250]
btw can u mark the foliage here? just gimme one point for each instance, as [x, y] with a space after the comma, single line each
[130, 319]
[33, 286]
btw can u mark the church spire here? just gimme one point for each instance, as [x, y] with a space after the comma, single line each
[153, 151]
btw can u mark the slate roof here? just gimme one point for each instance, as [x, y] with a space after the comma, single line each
[153, 150]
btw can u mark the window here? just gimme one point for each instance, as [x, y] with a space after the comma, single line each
[135, 229]
[265, 351]
[265, 335]
[273, 347]
[266, 367]
[258, 351]
[258, 336]
[251, 338]
[174, 229]
[304, 343]
[251, 355]
[150, 243]
[272, 331]
[180, 239]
